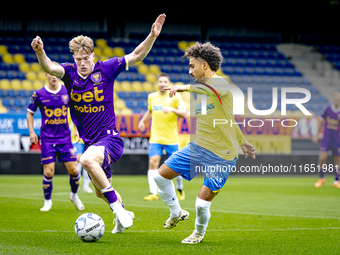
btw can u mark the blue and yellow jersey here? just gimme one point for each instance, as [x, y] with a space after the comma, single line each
[224, 140]
[164, 128]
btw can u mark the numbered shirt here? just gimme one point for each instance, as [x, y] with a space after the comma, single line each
[331, 116]
[53, 106]
[91, 97]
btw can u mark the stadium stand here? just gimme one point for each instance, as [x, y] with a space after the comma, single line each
[248, 62]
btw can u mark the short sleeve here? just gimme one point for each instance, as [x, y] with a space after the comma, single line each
[68, 68]
[324, 115]
[149, 103]
[114, 66]
[32, 107]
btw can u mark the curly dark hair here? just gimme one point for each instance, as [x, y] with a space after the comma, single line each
[207, 52]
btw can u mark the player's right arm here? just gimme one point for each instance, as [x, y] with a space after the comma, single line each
[316, 137]
[33, 135]
[46, 63]
[147, 116]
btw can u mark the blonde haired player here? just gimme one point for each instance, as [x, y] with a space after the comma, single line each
[164, 131]
[90, 87]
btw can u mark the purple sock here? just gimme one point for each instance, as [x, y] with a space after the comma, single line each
[74, 182]
[336, 173]
[322, 172]
[47, 187]
[110, 194]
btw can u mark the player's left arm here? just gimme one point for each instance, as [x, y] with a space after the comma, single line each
[248, 149]
[143, 49]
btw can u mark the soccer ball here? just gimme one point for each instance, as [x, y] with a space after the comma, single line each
[89, 227]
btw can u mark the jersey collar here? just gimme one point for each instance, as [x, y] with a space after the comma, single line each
[53, 92]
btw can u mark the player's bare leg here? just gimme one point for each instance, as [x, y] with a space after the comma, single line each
[91, 160]
[72, 168]
[203, 202]
[167, 192]
[47, 186]
[152, 172]
[322, 161]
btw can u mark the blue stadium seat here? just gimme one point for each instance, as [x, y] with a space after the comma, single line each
[123, 95]
[134, 95]
[144, 95]
[131, 104]
[7, 102]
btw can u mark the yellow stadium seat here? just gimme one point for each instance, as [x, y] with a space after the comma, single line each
[16, 84]
[103, 57]
[154, 69]
[118, 52]
[7, 58]
[117, 86]
[151, 77]
[101, 43]
[41, 76]
[3, 109]
[155, 86]
[125, 112]
[137, 86]
[3, 49]
[107, 51]
[31, 75]
[125, 86]
[182, 45]
[19, 58]
[119, 104]
[37, 84]
[24, 67]
[36, 67]
[147, 86]
[27, 85]
[143, 69]
[98, 51]
[5, 84]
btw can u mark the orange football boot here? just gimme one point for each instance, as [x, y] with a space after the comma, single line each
[319, 183]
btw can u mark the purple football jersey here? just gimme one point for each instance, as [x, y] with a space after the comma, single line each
[331, 117]
[53, 106]
[91, 97]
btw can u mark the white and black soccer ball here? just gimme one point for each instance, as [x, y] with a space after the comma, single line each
[89, 227]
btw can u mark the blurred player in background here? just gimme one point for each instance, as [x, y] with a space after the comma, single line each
[90, 87]
[217, 145]
[164, 131]
[330, 141]
[53, 101]
[79, 146]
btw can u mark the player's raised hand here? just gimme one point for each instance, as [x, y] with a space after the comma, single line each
[174, 89]
[157, 26]
[248, 149]
[37, 44]
[141, 126]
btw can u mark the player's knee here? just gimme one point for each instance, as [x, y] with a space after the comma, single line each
[153, 163]
[202, 204]
[160, 180]
[86, 162]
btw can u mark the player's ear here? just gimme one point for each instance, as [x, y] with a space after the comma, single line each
[205, 65]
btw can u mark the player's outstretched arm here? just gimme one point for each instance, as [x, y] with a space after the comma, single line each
[45, 63]
[248, 149]
[147, 116]
[143, 49]
[176, 88]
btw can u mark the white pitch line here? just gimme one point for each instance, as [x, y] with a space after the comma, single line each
[164, 230]
[212, 210]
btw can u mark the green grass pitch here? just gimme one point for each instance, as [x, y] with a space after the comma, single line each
[254, 215]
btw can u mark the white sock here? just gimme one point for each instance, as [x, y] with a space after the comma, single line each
[48, 202]
[166, 189]
[73, 195]
[86, 178]
[202, 215]
[179, 182]
[152, 184]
